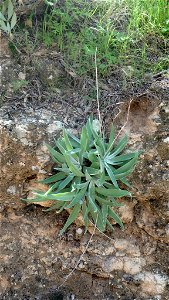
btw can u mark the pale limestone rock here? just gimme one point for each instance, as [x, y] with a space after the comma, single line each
[166, 140]
[55, 126]
[11, 189]
[113, 264]
[152, 284]
[133, 265]
[126, 246]
[126, 213]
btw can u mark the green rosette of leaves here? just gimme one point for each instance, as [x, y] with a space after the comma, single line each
[88, 174]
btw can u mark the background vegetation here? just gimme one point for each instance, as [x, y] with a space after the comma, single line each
[130, 34]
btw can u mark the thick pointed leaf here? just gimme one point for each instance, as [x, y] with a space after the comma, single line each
[13, 20]
[115, 217]
[84, 139]
[91, 196]
[8, 28]
[55, 206]
[64, 170]
[107, 184]
[114, 203]
[2, 17]
[36, 199]
[120, 158]
[101, 179]
[72, 203]
[66, 196]
[54, 178]
[74, 140]
[71, 218]
[64, 183]
[95, 164]
[88, 128]
[103, 201]
[61, 146]
[75, 181]
[112, 192]
[53, 187]
[80, 186]
[122, 175]
[61, 208]
[111, 175]
[111, 139]
[104, 210]
[98, 141]
[85, 211]
[10, 9]
[84, 142]
[69, 147]
[73, 168]
[88, 177]
[123, 180]
[68, 144]
[3, 26]
[91, 171]
[74, 151]
[126, 167]
[119, 147]
[100, 150]
[118, 174]
[100, 222]
[55, 154]
[101, 162]
[78, 197]
[97, 218]
[4, 8]
[110, 225]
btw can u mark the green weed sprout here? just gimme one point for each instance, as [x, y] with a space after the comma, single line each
[8, 17]
[88, 173]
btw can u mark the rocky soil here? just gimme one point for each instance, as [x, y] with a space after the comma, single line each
[34, 259]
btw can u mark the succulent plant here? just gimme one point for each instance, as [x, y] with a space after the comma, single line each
[88, 174]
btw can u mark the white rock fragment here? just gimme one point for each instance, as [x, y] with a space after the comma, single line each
[34, 168]
[166, 140]
[42, 154]
[128, 247]
[21, 131]
[133, 265]
[56, 125]
[113, 264]
[164, 107]
[42, 172]
[79, 231]
[50, 77]
[12, 190]
[152, 284]
[22, 76]
[126, 213]
[6, 122]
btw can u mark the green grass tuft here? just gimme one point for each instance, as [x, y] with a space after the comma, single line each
[130, 34]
